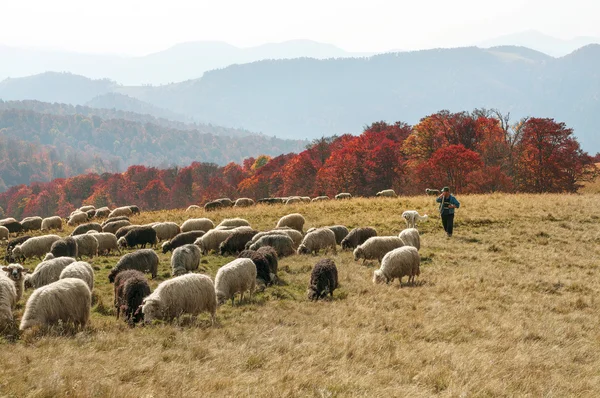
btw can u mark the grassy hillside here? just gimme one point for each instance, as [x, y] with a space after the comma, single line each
[507, 307]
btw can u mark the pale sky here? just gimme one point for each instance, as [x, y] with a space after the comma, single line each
[139, 27]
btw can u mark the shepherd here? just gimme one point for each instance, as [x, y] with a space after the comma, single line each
[447, 203]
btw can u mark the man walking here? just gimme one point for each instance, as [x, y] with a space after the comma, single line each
[447, 205]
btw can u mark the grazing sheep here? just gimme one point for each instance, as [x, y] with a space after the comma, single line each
[263, 270]
[411, 237]
[265, 233]
[412, 216]
[91, 214]
[323, 279]
[66, 247]
[271, 256]
[34, 247]
[270, 201]
[16, 273]
[320, 198]
[305, 199]
[214, 205]
[343, 195]
[235, 277]
[244, 202]
[131, 287]
[85, 209]
[166, 230]
[212, 240]
[84, 228]
[403, 261]
[292, 233]
[387, 193]
[236, 242]
[80, 270]
[358, 236]
[283, 244]
[292, 201]
[4, 234]
[77, 218]
[87, 245]
[8, 300]
[143, 260]
[185, 258]
[113, 227]
[12, 225]
[193, 208]
[48, 256]
[432, 192]
[121, 232]
[54, 222]
[106, 243]
[313, 242]
[47, 272]
[113, 219]
[197, 224]
[234, 222]
[185, 294]
[11, 244]
[102, 212]
[31, 223]
[183, 238]
[121, 211]
[226, 202]
[376, 247]
[141, 236]
[134, 209]
[67, 300]
[294, 220]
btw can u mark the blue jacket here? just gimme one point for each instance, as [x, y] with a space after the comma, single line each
[451, 200]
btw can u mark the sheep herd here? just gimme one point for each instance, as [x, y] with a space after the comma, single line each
[63, 283]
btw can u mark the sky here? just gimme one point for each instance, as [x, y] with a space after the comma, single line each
[135, 27]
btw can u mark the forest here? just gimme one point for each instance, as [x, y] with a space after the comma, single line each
[472, 152]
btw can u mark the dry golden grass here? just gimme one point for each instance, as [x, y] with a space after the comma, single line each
[507, 307]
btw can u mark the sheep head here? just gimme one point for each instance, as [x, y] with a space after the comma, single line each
[359, 253]
[379, 277]
[166, 247]
[15, 271]
[302, 249]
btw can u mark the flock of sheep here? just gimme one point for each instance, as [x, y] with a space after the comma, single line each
[63, 285]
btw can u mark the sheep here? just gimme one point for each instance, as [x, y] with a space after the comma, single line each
[144, 260]
[16, 273]
[106, 242]
[320, 198]
[234, 222]
[34, 247]
[134, 209]
[376, 247]
[4, 234]
[214, 205]
[263, 270]
[183, 238]
[11, 244]
[358, 236]
[113, 227]
[121, 211]
[323, 279]
[185, 258]
[236, 242]
[139, 236]
[292, 233]
[321, 238]
[86, 208]
[47, 272]
[80, 270]
[87, 245]
[343, 195]
[54, 222]
[403, 261]
[411, 237]
[66, 300]
[244, 202]
[197, 224]
[212, 240]
[131, 287]
[432, 192]
[226, 202]
[235, 277]
[66, 247]
[412, 216]
[184, 294]
[387, 193]
[283, 244]
[270, 201]
[305, 199]
[340, 232]
[91, 214]
[102, 212]
[31, 223]
[8, 300]
[113, 219]
[193, 208]
[292, 201]
[84, 228]
[12, 225]
[294, 220]
[123, 230]
[265, 233]
[77, 218]
[271, 256]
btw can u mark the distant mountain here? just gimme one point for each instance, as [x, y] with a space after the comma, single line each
[541, 42]
[181, 62]
[129, 104]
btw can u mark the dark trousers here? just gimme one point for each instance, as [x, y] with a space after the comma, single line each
[448, 223]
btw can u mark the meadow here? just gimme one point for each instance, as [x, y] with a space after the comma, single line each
[506, 307]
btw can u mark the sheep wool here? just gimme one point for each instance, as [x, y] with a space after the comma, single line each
[185, 259]
[121, 211]
[47, 272]
[34, 247]
[320, 238]
[340, 232]
[244, 202]
[343, 195]
[106, 242]
[358, 236]
[283, 244]
[292, 233]
[166, 230]
[8, 300]
[77, 218]
[4, 234]
[197, 224]
[183, 238]
[400, 262]
[236, 242]
[212, 240]
[263, 271]
[131, 287]
[80, 270]
[294, 220]
[84, 228]
[411, 237]
[323, 279]
[32, 223]
[234, 222]
[114, 226]
[16, 273]
[54, 222]
[237, 276]
[376, 247]
[387, 193]
[66, 247]
[87, 245]
[144, 260]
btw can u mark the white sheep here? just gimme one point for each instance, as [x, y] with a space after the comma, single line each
[235, 277]
[80, 270]
[292, 201]
[185, 258]
[185, 294]
[102, 212]
[47, 272]
[166, 230]
[412, 217]
[377, 247]
[193, 208]
[234, 222]
[37, 246]
[282, 243]
[387, 193]
[294, 220]
[305, 199]
[400, 262]
[8, 300]
[259, 235]
[212, 239]
[54, 222]
[106, 242]
[77, 218]
[121, 211]
[4, 233]
[320, 198]
[32, 223]
[320, 238]
[292, 233]
[66, 300]
[87, 245]
[197, 224]
[244, 202]
[343, 195]
[16, 273]
[411, 237]
[86, 208]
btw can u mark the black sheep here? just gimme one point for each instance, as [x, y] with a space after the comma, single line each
[134, 209]
[113, 219]
[12, 226]
[123, 230]
[213, 206]
[236, 242]
[66, 247]
[323, 279]
[271, 255]
[131, 287]
[144, 260]
[261, 263]
[83, 228]
[11, 244]
[358, 236]
[184, 238]
[139, 236]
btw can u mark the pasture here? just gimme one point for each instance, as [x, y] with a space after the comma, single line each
[507, 307]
